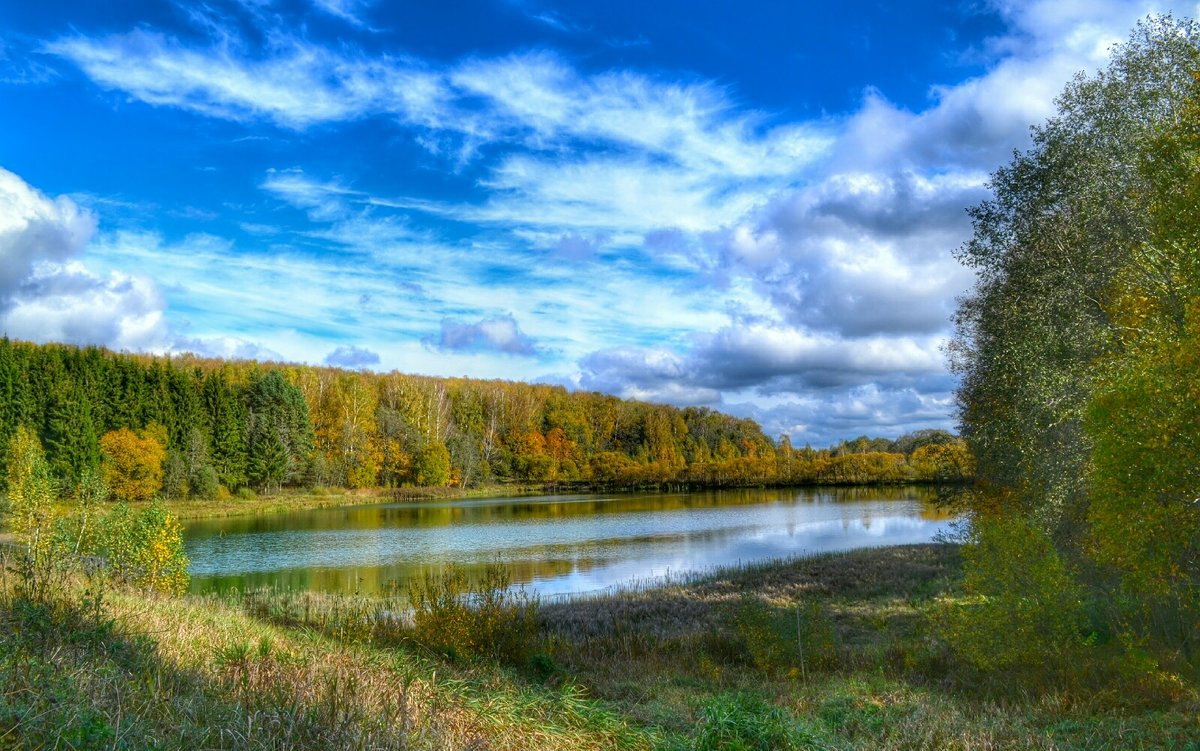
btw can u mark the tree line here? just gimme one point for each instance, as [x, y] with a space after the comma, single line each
[194, 427]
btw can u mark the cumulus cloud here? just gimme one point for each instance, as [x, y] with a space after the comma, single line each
[35, 229]
[352, 357]
[766, 359]
[859, 254]
[47, 294]
[68, 303]
[864, 409]
[498, 334]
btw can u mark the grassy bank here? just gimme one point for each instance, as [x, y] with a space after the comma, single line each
[709, 662]
[187, 673]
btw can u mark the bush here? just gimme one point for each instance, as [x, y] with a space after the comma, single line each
[778, 639]
[485, 620]
[145, 549]
[1023, 612]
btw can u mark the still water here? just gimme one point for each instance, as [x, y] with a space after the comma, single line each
[552, 544]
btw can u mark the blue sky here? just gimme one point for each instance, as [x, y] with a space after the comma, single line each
[751, 206]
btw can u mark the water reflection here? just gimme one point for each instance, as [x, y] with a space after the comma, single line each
[552, 544]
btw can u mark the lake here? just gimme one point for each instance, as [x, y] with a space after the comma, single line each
[552, 544]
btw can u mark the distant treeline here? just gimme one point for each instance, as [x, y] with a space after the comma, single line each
[223, 426]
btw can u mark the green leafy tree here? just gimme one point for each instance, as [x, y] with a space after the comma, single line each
[1046, 248]
[1078, 351]
[433, 465]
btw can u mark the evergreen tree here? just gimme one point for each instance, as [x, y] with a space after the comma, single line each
[72, 440]
[227, 419]
[277, 423]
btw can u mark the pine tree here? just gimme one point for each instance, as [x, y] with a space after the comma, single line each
[228, 421]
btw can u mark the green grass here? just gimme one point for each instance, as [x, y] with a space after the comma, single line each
[192, 673]
[711, 661]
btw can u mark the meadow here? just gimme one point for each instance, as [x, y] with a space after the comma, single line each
[839, 651]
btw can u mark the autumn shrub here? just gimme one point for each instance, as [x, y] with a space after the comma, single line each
[144, 548]
[943, 462]
[487, 619]
[1023, 611]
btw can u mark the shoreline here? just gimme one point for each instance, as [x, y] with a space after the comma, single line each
[300, 500]
[194, 510]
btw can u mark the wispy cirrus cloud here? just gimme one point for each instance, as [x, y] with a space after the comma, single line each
[350, 11]
[293, 83]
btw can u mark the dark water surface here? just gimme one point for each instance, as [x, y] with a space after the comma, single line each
[552, 544]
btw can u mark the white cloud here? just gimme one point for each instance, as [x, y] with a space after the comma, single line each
[35, 229]
[869, 409]
[352, 357]
[497, 334]
[226, 347]
[350, 11]
[765, 359]
[68, 303]
[295, 84]
[46, 294]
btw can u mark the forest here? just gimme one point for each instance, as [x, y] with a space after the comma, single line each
[210, 427]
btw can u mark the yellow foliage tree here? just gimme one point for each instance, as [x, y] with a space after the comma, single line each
[948, 462]
[31, 496]
[132, 464]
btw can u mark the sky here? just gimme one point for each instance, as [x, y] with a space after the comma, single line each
[749, 206]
